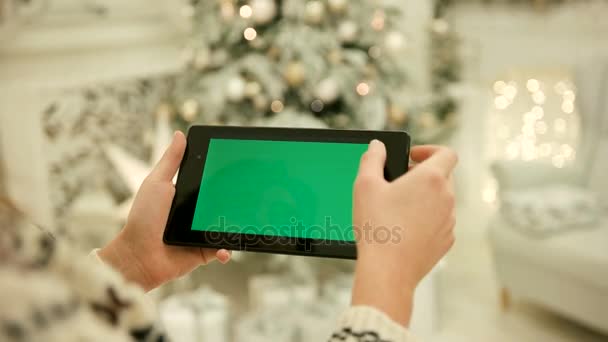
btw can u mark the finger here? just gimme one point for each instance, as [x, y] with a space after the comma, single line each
[208, 255]
[372, 161]
[423, 152]
[223, 255]
[443, 159]
[168, 165]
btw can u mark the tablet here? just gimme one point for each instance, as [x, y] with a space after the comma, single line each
[275, 190]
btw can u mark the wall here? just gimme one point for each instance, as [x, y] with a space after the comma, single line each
[67, 47]
[497, 39]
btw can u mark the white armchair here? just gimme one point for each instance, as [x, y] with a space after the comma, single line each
[565, 271]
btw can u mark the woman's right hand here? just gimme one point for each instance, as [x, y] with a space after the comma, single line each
[403, 227]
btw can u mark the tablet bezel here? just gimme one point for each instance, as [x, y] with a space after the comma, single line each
[178, 230]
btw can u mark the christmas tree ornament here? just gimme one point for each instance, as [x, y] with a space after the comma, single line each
[260, 103]
[378, 20]
[375, 51]
[337, 6]
[276, 106]
[252, 89]
[250, 33]
[263, 11]
[294, 73]
[315, 11]
[235, 89]
[227, 10]
[347, 31]
[245, 11]
[327, 90]
[394, 41]
[317, 106]
[397, 116]
[189, 111]
[362, 89]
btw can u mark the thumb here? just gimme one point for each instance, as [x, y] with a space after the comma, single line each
[372, 161]
[167, 166]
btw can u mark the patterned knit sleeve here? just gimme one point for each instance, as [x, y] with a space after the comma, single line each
[50, 291]
[366, 324]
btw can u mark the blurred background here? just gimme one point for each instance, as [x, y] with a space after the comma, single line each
[90, 92]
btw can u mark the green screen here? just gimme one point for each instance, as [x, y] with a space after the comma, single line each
[278, 188]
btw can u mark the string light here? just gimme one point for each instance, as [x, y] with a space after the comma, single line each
[362, 89]
[250, 33]
[499, 87]
[245, 11]
[378, 21]
[533, 85]
[568, 107]
[510, 91]
[538, 112]
[501, 102]
[560, 87]
[541, 127]
[539, 97]
[569, 95]
[276, 106]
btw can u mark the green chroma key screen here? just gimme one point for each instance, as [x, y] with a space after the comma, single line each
[278, 188]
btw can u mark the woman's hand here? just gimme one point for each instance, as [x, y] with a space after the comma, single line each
[403, 227]
[138, 251]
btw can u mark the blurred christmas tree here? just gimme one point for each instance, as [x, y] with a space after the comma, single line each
[278, 61]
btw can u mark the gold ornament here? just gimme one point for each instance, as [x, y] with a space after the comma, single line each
[315, 10]
[397, 116]
[294, 73]
[260, 103]
[263, 11]
[227, 9]
[252, 88]
[277, 106]
[347, 31]
[337, 6]
[189, 111]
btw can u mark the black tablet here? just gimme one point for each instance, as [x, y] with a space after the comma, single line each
[276, 190]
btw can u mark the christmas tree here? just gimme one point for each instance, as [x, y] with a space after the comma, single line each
[338, 61]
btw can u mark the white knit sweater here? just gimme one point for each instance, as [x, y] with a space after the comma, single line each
[51, 293]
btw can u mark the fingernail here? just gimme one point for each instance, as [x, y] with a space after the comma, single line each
[374, 143]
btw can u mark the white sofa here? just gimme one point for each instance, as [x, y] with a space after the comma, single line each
[565, 271]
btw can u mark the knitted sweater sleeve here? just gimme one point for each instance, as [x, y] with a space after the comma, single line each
[362, 323]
